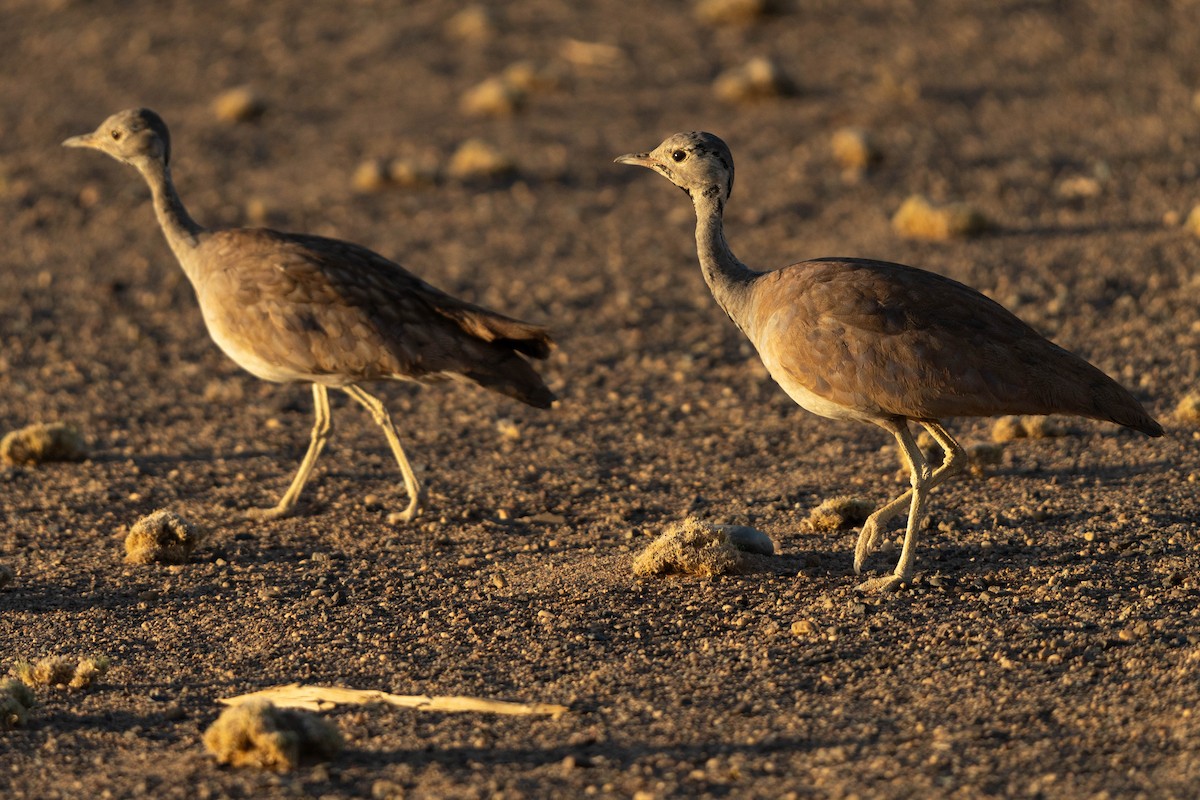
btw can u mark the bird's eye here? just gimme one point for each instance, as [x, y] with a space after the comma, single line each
[679, 155]
[116, 134]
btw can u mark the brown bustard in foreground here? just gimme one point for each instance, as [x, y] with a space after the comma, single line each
[294, 308]
[849, 338]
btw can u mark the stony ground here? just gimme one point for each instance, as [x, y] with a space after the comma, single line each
[1050, 644]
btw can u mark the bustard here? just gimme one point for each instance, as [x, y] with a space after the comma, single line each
[294, 308]
[864, 340]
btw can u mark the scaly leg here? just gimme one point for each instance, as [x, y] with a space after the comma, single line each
[920, 478]
[416, 494]
[320, 435]
[953, 461]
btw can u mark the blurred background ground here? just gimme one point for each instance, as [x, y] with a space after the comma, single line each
[1050, 644]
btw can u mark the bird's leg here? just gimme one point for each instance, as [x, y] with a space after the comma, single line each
[322, 425]
[919, 477]
[955, 458]
[416, 495]
[872, 530]
[952, 462]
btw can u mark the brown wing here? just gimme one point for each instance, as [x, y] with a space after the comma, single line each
[889, 339]
[335, 312]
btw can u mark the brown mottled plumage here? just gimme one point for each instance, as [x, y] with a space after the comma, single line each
[295, 308]
[883, 343]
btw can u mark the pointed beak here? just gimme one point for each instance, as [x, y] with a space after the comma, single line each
[83, 140]
[638, 159]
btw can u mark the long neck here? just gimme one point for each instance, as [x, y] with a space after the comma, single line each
[182, 232]
[729, 279]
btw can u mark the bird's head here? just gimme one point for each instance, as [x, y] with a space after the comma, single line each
[132, 136]
[697, 162]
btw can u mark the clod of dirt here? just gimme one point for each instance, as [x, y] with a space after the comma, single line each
[917, 218]
[258, 734]
[163, 537]
[239, 105]
[1078, 187]
[476, 159]
[839, 513]
[472, 24]
[732, 12]
[757, 79]
[6, 575]
[61, 672]
[1006, 429]
[697, 548]
[16, 700]
[370, 176]
[41, 443]
[495, 97]
[853, 149]
[525, 76]
[1188, 409]
[411, 173]
[983, 455]
[591, 54]
[1192, 224]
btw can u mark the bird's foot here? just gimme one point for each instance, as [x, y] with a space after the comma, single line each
[882, 585]
[868, 540]
[415, 506]
[267, 514]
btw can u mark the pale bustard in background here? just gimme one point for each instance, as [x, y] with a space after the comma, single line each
[884, 343]
[294, 308]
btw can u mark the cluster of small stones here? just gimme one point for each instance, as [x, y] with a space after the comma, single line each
[60, 672]
[474, 160]
[1006, 429]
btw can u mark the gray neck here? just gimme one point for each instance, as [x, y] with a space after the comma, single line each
[729, 279]
[182, 232]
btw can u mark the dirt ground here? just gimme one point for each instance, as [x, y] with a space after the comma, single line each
[1050, 644]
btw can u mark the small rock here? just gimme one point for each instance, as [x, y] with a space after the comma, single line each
[239, 105]
[476, 159]
[499, 581]
[757, 79]
[853, 149]
[747, 539]
[803, 627]
[6, 575]
[1192, 223]
[370, 176]
[917, 218]
[732, 12]
[472, 24]
[496, 97]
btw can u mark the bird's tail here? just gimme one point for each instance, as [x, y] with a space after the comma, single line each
[513, 376]
[523, 337]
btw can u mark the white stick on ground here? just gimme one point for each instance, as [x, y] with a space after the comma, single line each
[322, 698]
